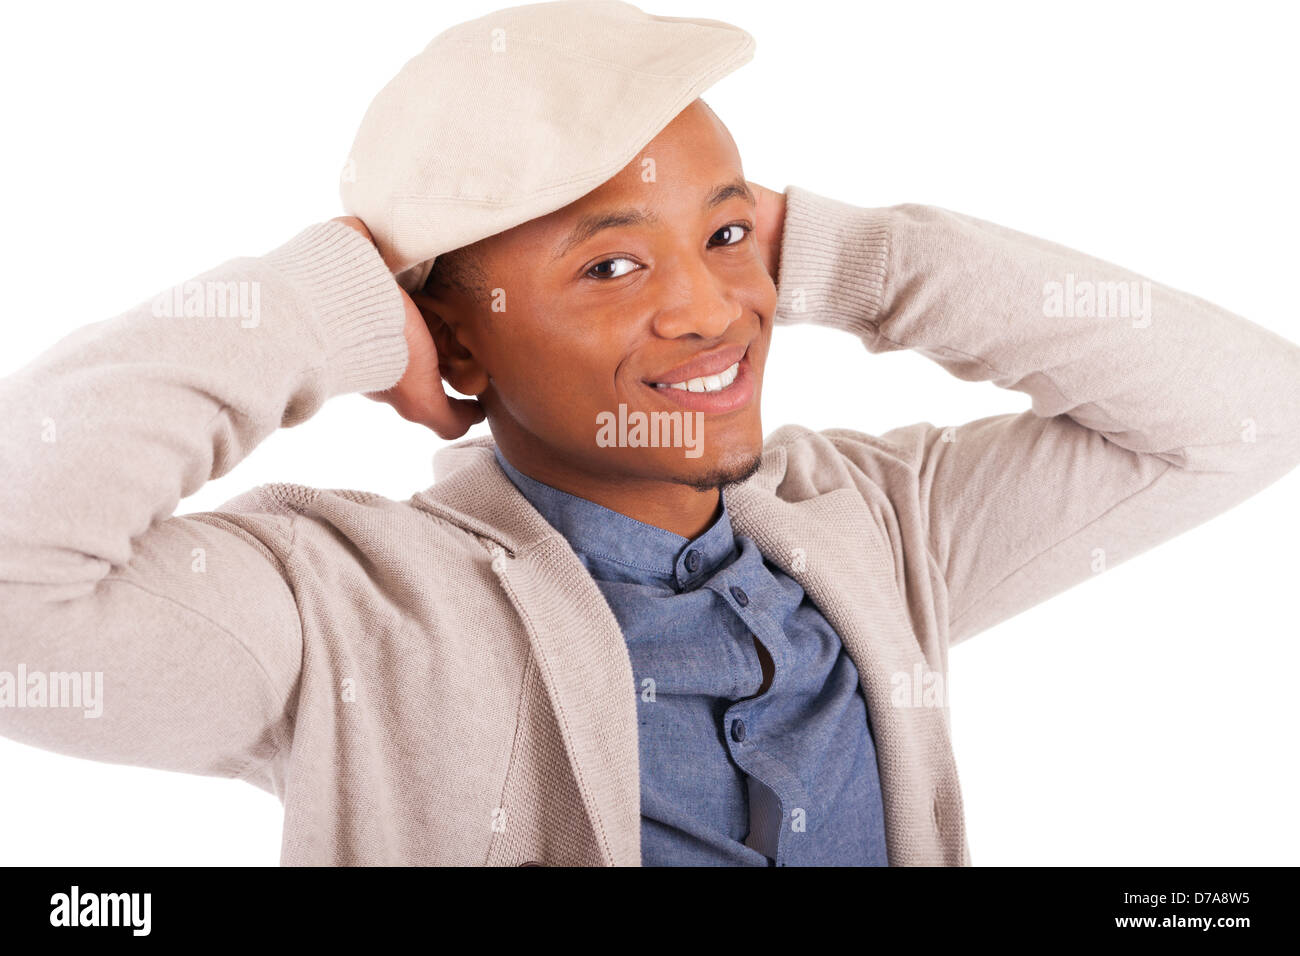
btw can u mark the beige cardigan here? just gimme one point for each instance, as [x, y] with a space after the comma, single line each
[438, 680]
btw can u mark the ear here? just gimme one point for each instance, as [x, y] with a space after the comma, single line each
[452, 327]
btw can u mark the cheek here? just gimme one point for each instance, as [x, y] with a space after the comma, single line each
[761, 294]
[555, 384]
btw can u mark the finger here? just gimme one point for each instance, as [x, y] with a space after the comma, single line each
[355, 223]
[453, 417]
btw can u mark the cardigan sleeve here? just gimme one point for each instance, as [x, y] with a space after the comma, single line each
[1152, 410]
[129, 634]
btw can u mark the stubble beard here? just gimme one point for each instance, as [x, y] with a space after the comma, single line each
[723, 474]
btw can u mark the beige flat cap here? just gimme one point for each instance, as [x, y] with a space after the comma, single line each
[511, 116]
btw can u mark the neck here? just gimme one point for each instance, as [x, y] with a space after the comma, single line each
[672, 506]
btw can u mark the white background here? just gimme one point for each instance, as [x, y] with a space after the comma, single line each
[1146, 716]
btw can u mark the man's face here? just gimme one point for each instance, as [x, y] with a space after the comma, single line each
[654, 277]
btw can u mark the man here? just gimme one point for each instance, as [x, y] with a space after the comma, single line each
[577, 650]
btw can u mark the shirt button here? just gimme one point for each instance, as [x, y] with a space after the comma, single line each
[739, 594]
[738, 730]
[692, 561]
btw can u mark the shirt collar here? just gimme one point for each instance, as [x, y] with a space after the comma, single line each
[616, 546]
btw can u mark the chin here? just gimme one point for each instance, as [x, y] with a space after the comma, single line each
[731, 466]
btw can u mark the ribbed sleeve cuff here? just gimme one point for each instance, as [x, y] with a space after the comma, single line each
[834, 258]
[356, 301]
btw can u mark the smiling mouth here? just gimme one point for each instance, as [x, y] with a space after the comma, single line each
[708, 383]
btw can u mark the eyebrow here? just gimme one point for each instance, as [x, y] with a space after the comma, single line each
[593, 223]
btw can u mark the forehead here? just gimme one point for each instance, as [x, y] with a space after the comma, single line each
[680, 167]
[695, 149]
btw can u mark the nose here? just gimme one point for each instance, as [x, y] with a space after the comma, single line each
[695, 301]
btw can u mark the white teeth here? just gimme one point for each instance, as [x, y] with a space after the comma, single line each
[710, 383]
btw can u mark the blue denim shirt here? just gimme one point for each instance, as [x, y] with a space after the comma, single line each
[729, 776]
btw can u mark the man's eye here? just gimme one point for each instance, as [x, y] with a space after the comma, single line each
[737, 229]
[596, 273]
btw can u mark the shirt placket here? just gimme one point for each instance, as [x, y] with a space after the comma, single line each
[775, 791]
